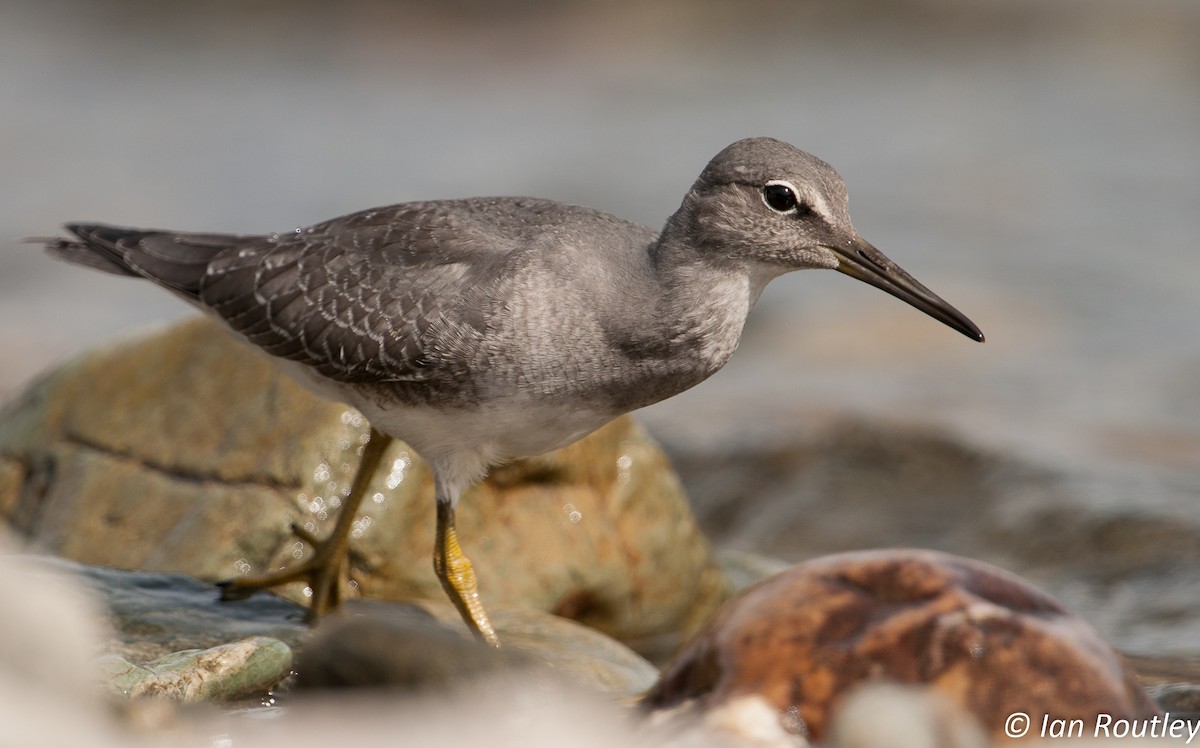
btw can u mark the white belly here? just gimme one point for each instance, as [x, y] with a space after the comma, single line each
[461, 445]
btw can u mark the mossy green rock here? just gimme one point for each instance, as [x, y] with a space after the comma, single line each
[223, 673]
[186, 451]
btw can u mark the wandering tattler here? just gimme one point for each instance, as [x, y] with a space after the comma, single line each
[482, 330]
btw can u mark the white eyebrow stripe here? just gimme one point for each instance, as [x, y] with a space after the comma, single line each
[816, 201]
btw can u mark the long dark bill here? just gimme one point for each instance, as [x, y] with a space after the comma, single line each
[862, 261]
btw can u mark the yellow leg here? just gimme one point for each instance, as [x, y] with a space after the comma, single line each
[458, 577]
[327, 568]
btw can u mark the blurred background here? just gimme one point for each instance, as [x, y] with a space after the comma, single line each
[1035, 163]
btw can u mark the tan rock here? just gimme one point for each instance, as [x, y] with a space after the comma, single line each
[186, 451]
[993, 644]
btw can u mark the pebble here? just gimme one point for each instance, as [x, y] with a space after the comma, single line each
[227, 672]
[985, 639]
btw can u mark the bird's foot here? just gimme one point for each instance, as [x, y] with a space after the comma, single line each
[327, 569]
[457, 576]
[324, 572]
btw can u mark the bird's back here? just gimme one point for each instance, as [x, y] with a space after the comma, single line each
[418, 299]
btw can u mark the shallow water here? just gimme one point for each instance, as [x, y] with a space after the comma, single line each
[1037, 166]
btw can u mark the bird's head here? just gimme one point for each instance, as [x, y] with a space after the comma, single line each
[765, 203]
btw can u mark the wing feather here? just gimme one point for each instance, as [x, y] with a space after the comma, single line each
[383, 295]
[402, 294]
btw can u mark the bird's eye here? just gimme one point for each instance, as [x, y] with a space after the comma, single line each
[780, 196]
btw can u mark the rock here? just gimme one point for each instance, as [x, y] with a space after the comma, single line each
[154, 614]
[46, 660]
[869, 483]
[223, 673]
[743, 722]
[991, 643]
[882, 714]
[186, 451]
[1120, 549]
[1174, 682]
[172, 637]
[1178, 699]
[572, 652]
[743, 569]
[872, 716]
[49, 637]
[398, 646]
[49, 634]
[496, 712]
[49, 627]
[426, 647]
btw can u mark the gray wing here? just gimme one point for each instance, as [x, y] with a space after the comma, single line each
[393, 294]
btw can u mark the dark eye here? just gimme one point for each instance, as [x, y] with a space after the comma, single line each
[780, 196]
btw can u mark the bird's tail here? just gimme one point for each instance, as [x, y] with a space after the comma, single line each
[96, 248]
[176, 261]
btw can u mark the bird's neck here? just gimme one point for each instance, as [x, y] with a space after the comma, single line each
[705, 299]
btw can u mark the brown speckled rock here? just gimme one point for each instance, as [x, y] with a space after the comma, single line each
[185, 451]
[993, 644]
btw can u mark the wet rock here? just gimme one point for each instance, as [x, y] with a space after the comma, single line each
[50, 634]
[1121, 549]
[154, 614]
[423, 647]
[223, 673]
[988, 641]
[869, 484]
[185, 451]
[1174, 682]
[1179, 699]
[173, 637]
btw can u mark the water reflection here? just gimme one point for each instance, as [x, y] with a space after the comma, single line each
[624, 468]
[399, 468]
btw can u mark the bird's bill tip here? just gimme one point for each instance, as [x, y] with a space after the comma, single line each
[860, 260]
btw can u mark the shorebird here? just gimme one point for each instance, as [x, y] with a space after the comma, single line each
[482, 330]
